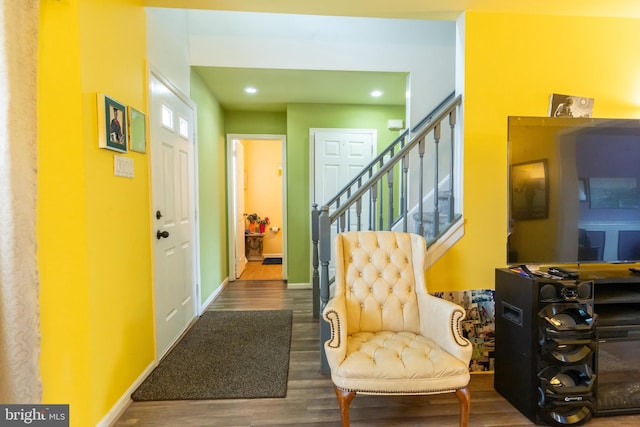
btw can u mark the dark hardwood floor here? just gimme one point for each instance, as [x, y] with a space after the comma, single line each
[310, 399]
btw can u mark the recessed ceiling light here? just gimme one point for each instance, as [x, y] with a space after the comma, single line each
[250, 89]
[376, 93]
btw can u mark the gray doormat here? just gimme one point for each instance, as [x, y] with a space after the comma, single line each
[225, 355]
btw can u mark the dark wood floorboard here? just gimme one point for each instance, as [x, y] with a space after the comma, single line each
[310, 399]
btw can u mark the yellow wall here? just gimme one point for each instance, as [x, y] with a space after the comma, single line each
[93, 228]
[512, 65]
[263, 163]
[62, 236]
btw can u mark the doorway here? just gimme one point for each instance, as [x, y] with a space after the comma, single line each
[257, 185]
[174, 200]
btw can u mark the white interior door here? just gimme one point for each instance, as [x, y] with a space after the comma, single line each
[238, 156]
[173, 193]
[339, 155]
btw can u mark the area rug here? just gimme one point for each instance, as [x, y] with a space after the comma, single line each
[272, 261]
[225, 355]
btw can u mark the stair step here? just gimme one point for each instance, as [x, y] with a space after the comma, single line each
[427, 217]
[443, 227]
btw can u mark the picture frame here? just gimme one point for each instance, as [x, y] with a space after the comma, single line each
[137, 130]
[583, 192]
[613, 193]
[112, 124]
[529, 191]
[569, 106]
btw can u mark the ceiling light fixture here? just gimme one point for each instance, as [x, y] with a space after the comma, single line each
[250, 90]
[376, 93]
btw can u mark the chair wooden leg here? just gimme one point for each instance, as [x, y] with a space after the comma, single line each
[344, 399]
[464, 397]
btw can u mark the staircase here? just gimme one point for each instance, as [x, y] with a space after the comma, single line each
[409, 187]
[446, 218]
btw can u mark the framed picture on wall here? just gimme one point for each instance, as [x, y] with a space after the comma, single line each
[613, 193]
[529, 190]
[137, 131]
[112, 124]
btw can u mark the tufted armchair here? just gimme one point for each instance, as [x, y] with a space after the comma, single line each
[388, 335]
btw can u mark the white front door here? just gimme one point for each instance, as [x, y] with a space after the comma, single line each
[238, 156]
[173, 217]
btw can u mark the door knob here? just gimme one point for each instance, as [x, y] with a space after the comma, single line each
[161, 234]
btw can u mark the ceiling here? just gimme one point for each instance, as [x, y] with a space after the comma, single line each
[414, 9]
[277, 88]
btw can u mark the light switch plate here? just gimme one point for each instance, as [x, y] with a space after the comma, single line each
[122, 166]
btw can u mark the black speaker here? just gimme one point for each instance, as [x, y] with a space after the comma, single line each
[565, 394]
[564, 291]
[545, 347]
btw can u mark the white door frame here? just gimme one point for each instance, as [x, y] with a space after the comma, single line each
[239, 175]
[195, 230]
[231, 223]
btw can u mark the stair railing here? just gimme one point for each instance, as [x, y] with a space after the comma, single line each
[372, 191]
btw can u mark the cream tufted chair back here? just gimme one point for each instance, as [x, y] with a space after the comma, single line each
[388, 334]
[377, 274]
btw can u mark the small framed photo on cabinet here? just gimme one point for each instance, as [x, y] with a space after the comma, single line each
[112, 124]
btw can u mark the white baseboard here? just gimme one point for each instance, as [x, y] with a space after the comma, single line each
[121, 405]
[299, 286]
[213, 295]
[124, 401]
[275, 255]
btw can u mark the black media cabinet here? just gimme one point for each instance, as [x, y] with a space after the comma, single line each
[585, 330]
[617, 304]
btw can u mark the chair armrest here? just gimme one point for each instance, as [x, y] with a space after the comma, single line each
[440, 321]
[335, 313]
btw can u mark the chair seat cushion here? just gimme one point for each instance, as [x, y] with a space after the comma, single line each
[381, 363]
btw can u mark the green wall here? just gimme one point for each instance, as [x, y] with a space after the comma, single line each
[212, 188]
[295, 124]
[300, 118]
[255, 122]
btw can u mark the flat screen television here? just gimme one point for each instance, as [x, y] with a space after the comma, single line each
[573, 190]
